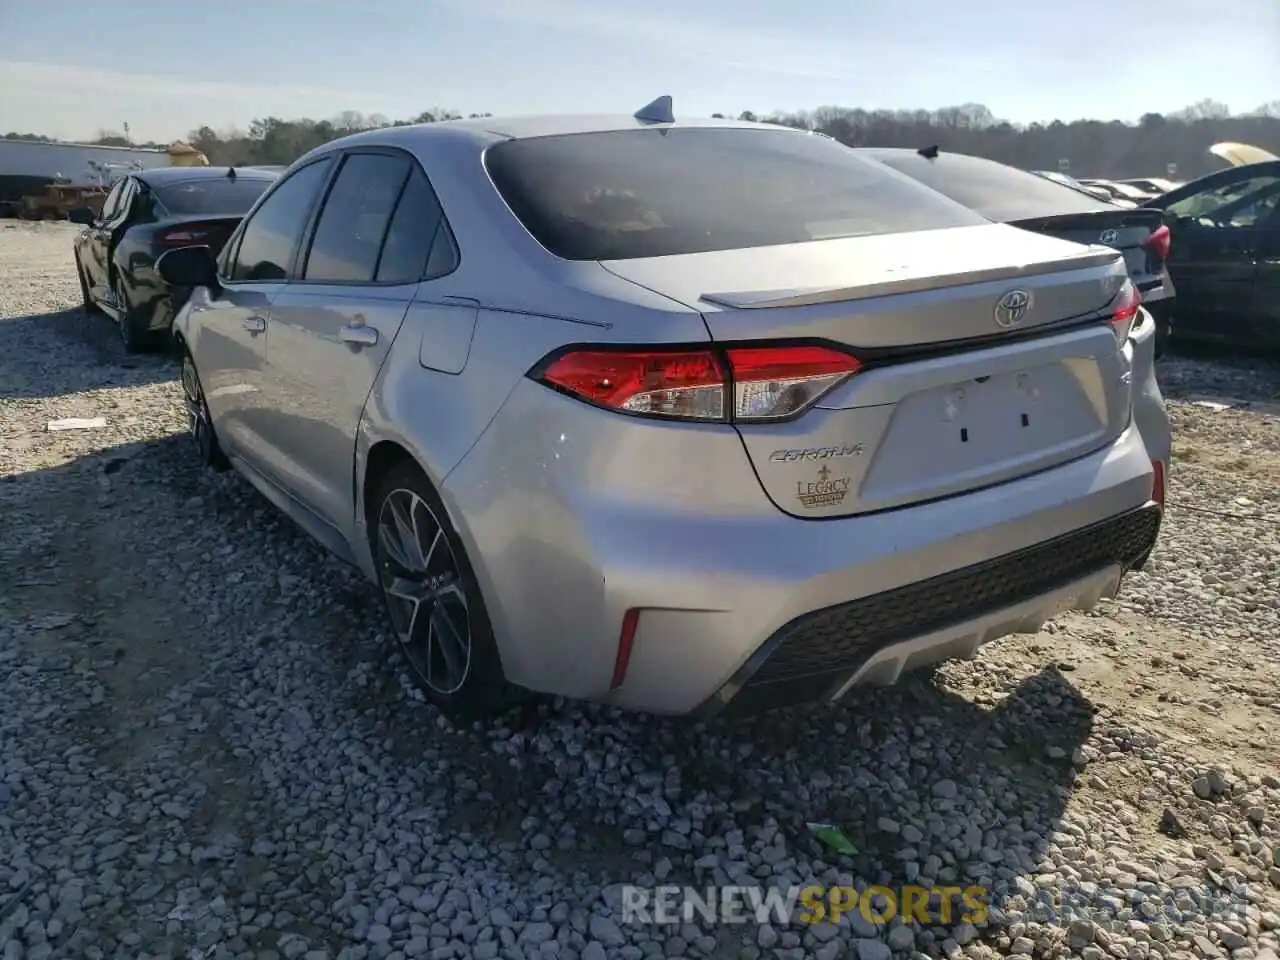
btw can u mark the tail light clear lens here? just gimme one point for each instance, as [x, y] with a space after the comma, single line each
[1159, 242]
[773, 382]
[1124, 310]
[741, 384]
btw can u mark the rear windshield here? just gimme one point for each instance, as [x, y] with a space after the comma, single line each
[210, 195]
[998, 192]
[620, 195]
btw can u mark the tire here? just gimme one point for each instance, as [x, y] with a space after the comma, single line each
[199, 422]
[90, 305]
[134, 332]
[464, 680]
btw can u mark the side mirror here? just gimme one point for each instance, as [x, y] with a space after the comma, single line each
[82, 215]
[188, 267]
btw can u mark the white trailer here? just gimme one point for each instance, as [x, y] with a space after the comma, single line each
[27, 167]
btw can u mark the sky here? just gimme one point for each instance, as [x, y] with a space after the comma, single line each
[165, 67]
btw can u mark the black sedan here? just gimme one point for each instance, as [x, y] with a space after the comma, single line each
[1225, 255]
[145, 214]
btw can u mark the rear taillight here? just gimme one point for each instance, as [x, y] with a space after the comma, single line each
[1124, 310]
[183, 237]
[1159, 242]
[741, 384]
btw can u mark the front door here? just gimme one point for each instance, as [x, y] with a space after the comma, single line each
[333, 328]
[235, 325]
[1212, 258]
[98, 247]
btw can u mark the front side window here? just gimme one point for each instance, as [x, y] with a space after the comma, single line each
[126, 198]
[663, 191]
[112, 203]
[271, 235]
[1239, 203]
[353, 223]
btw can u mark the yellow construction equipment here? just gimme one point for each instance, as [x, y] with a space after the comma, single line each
[184, 155]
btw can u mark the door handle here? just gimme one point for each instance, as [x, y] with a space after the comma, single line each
[255, 324]
[358, 334]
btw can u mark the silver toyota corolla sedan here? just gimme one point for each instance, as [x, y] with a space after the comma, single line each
[674, 415]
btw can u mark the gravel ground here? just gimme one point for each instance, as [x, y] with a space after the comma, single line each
[208, 749]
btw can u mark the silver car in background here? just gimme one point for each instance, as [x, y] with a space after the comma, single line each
[673, 415]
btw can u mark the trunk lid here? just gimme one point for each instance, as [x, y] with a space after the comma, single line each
[1122, 229]
[1241, 154]
[948, 400]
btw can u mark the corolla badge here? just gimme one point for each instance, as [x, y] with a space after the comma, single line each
[1109, 237]
[1012, 308]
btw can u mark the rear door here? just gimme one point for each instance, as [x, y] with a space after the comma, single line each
[230, 350]
[333, 327]
[98, 239]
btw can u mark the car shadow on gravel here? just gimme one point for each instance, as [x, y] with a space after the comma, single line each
[89, 356]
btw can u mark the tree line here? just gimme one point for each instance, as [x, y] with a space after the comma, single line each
[1173, 144]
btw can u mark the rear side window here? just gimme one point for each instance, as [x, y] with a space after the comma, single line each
[272, 233]
[619, 195]
[210, 196]
[353, 223]
[419, 245]
[1238, 203]
[998, 192]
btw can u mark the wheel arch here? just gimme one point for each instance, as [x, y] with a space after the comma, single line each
[382, 457]
[383, 454]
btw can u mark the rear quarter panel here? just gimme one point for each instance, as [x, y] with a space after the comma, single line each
[438, 415]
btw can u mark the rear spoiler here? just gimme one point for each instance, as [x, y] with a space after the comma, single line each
[765, 299]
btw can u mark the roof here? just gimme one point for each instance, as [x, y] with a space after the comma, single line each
[82, 146]
[159, 176]
[480, 132]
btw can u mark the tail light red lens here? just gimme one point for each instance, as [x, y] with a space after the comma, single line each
[183, 237]
[741, 384]
[1159, 242]
[689, 385]
[1124, 310]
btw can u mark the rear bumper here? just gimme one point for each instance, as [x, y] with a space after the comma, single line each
[873, 640]
[572, 516]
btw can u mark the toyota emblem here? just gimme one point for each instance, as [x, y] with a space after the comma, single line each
[1012, 308]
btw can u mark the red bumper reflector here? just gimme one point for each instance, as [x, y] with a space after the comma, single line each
[630, 621]
[1157, 482]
